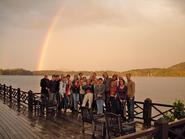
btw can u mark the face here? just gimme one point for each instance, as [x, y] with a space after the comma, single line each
[112, 84]
[88, 81]
[114, 77]
[101, 81]
[121, 82]
[53, 78]
[80, 74]
[128, 76]
[64, 79]
[68, 77]
[75, 77]
[105, 75]
[58, 78]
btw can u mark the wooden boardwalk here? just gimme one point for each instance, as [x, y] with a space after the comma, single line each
[16, 125]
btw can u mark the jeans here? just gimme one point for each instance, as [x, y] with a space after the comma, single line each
[75, 100]
[53, 97]
[65, 102]
[130, 106]
[99, 103]
[44, 101]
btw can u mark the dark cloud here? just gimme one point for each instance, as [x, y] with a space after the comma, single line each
[178, 4]
[27, 14]
[38, 14]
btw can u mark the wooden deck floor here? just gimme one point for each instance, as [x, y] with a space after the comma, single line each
[17, 125]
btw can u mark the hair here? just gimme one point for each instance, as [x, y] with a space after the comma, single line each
[122, 80]
[115, 76]
[128, 74]
[100, 79]
[105, 74]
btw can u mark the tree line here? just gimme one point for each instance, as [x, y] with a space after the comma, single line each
[136, 72]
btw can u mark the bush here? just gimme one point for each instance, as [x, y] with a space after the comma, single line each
[178, 113]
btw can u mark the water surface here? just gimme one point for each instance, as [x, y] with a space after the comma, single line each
[159, 89]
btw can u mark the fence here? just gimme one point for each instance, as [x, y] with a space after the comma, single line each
[159, 129]
[21, 98]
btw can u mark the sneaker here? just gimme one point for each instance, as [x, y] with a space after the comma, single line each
[68, 110]
[62, 110]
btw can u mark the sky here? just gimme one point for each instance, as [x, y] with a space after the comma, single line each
[91, 34]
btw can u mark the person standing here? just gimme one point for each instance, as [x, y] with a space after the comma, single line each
[113, 96]
[107, 82]
[130, 97]
[82, 91]
[76, 91]
[89, 90]
[68, 94]
[62, 93]
[53, 88]
[44, 84]
[80, 76]
[122, 95]
[99, 95]
[58, 89]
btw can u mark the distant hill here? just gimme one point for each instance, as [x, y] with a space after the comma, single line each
[15, 72]
[173, 71]
[177, 70]
[180, 66]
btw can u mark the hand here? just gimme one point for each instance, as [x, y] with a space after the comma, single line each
[99, 95]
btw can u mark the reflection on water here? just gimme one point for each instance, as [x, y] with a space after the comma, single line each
[159, 89]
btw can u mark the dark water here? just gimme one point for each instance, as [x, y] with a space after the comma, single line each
[159, 89]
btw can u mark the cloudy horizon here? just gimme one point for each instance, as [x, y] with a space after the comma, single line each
[92, 35]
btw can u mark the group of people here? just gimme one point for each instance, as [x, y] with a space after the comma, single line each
[100, 94]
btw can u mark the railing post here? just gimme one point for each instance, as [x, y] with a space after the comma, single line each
[162, 124]
[30, 101]
[0, 88]
[10, 94]
[18, 98]
[4, 92]
[147, 112]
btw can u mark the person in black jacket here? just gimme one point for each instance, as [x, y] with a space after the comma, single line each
[53, 88]
[44, 84]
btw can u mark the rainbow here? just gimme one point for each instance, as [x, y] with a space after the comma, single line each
[47, 39]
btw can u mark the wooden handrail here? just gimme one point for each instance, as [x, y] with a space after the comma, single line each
[141, 133]
[162, 105]
[177, 122]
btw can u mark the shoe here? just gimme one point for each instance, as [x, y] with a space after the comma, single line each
[62, 110]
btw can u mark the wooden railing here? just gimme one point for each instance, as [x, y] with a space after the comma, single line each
[19, 97]
[162, 129]
[150, 112]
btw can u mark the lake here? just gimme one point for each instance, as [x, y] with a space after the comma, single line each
[159, 89]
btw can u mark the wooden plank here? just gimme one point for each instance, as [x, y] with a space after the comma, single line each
[16, 126]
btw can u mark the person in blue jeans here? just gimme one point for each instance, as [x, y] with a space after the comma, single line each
[99, 90]
[75, 91]
[130, 97]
